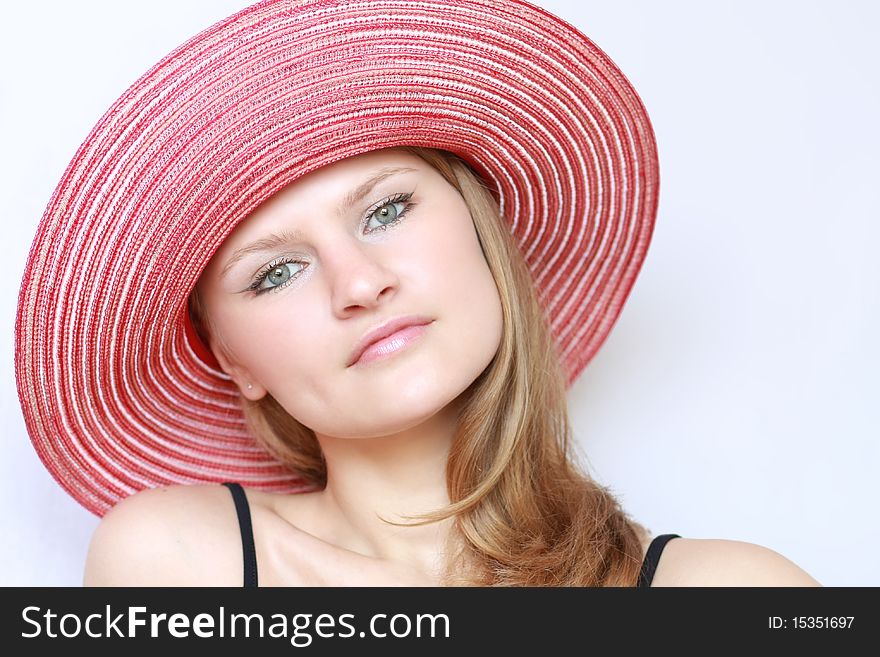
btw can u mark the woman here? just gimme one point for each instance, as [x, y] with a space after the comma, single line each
[280, 187]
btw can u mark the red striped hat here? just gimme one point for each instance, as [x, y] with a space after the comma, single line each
[118, 392]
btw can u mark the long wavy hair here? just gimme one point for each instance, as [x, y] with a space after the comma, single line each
[525, 512]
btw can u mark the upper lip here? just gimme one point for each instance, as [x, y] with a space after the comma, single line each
[383, 331]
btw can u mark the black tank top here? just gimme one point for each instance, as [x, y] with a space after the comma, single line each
[646, 574]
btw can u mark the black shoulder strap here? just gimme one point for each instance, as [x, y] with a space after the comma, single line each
[652, 558]
[247, 532]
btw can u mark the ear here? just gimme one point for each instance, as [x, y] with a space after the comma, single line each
[239, 374]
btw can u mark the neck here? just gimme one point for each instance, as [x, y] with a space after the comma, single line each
[389, 477]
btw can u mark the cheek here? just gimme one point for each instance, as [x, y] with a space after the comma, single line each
[444, 253]
[274, 342]
[462, 291]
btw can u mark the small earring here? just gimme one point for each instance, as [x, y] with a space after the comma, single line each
[249, 386]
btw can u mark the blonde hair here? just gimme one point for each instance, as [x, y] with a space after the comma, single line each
[525, 514]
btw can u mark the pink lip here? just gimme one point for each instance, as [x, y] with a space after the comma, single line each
[388, 339]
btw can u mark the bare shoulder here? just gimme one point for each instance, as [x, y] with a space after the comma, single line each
[720, 562]
[167, 536]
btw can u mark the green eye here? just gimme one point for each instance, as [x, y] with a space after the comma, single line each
[387, 214]
[278, 273]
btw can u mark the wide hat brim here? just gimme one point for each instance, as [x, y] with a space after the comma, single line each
[117, 391]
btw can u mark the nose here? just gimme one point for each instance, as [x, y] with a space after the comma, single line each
[358, 276]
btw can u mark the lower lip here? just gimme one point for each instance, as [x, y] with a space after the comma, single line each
[391, 345]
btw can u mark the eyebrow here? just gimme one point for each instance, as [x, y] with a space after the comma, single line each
[273, 240]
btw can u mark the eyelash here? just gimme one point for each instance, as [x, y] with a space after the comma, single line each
[263, 273]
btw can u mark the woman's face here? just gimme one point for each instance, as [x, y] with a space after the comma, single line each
[289, 316]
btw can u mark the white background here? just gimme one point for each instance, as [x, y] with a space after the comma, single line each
[736, 398]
